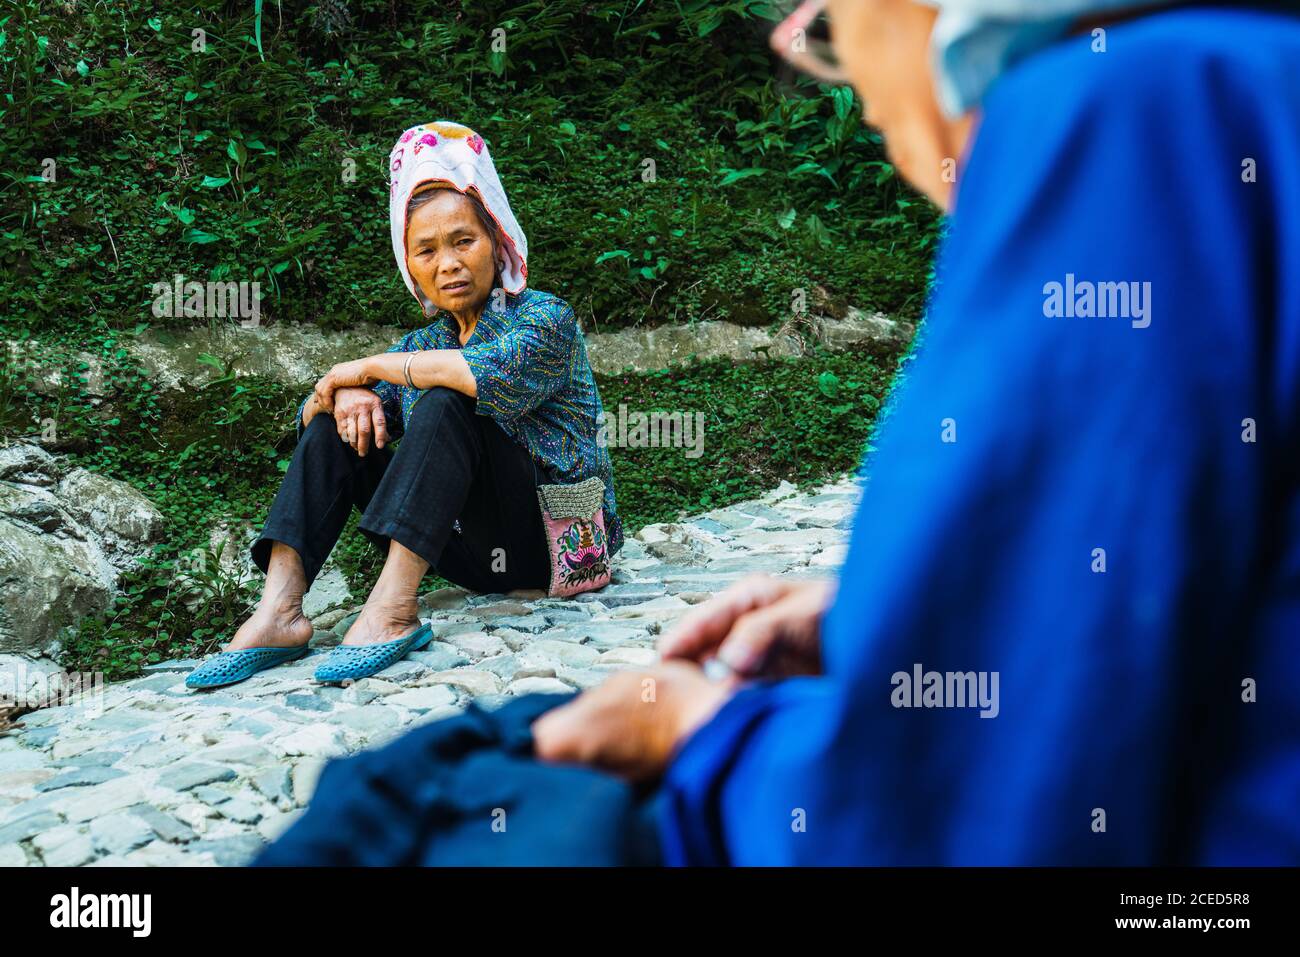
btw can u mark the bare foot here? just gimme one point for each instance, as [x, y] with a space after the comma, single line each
[385, 617]
[273, 628]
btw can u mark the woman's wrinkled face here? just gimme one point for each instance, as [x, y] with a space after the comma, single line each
[884, 47]
[449, 253]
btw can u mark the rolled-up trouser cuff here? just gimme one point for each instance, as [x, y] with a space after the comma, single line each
[278, 530]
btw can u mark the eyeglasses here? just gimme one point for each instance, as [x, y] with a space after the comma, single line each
[791, 42]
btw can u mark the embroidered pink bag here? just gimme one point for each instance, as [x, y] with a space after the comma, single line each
[574, 520]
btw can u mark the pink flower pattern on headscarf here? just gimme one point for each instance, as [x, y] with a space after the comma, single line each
[459, 157]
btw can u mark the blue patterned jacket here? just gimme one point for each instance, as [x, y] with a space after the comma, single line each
[530, 365]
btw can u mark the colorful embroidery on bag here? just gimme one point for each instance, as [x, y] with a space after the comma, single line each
[581, 556]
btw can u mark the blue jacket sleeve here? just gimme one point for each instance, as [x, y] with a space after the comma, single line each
[297, 417]
[531, 362]
[1095, 517]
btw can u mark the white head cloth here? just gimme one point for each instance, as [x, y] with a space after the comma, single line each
[974, 41]
[457, 156]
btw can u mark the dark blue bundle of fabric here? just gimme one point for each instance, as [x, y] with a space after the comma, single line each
[467, 791]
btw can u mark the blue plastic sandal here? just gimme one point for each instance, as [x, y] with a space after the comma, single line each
[350, 662]
[230, 667]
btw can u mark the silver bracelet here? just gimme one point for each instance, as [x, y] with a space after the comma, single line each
[406, 369]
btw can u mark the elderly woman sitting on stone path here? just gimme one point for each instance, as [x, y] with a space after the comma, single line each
[492, 400]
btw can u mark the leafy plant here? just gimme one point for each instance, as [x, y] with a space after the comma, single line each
[230, 161]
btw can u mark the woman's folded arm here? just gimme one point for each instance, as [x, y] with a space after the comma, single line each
[429, 368]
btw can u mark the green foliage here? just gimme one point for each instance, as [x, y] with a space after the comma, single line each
[229, 163]
[799, 420]
[168, 607]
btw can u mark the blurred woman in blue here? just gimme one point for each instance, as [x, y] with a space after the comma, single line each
[1085, 497]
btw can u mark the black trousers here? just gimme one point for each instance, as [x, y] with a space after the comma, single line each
[451, 464]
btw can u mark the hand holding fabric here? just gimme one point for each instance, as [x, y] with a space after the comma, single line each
[632, 723]
[760, 626]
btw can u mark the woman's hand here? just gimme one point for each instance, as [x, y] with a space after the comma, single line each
[359, 417]
[759, 627]
[357, 372]
[633, 722]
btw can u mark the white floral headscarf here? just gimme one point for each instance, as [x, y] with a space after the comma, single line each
[453, 154]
